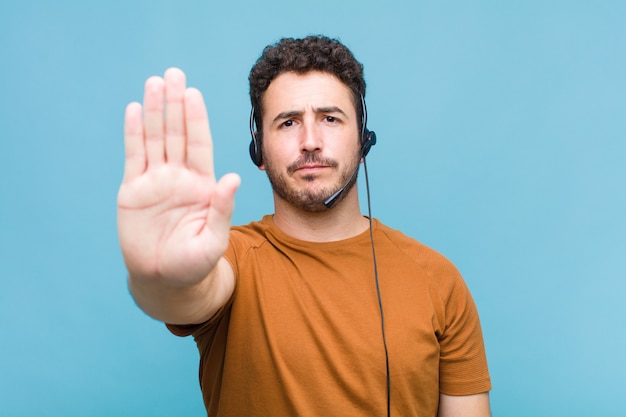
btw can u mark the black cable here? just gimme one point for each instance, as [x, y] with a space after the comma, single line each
[380, 301]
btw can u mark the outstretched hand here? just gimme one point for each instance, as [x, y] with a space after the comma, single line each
[173, 216]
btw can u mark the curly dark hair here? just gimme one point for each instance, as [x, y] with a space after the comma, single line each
[313, 53]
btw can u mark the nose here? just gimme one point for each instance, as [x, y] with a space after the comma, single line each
[311, 140]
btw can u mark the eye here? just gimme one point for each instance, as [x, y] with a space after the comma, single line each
[287, 123]
[331, 119]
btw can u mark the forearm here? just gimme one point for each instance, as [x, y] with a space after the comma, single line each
[464, 406]
[184, 304]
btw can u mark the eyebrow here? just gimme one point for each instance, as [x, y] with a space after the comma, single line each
[292, 113]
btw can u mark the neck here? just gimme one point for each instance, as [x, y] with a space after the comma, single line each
[342, 221]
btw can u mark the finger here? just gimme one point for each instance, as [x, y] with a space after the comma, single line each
[153, 121]
[199, 142]
[174, 116]
[134, 148]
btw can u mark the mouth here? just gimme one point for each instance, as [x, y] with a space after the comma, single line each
[310, 168]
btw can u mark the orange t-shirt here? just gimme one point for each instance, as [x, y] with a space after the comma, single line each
[301, 335]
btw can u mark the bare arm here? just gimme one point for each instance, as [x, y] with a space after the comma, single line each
[173, 216]
[464, 406]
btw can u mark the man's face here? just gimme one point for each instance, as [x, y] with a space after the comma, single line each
[310, 138]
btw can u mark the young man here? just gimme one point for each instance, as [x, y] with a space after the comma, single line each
[314, 310]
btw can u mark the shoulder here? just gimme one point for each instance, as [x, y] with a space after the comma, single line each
[250, 241]
[253, 234]
[409, 247]
[413, 260]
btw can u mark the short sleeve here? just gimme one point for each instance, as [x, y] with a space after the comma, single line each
[463, 363]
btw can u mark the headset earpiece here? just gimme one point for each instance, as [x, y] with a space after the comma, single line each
[368, 137]
[367, 141]
[255, 144]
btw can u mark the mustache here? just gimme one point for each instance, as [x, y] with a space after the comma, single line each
[310, 159]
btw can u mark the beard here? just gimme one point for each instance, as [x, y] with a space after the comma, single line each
[309, 199]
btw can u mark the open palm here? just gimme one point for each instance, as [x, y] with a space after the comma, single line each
[173, 216]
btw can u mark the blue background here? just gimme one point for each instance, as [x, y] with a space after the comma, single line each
[502, 144]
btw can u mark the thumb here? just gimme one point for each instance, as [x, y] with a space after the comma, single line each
[223, 202]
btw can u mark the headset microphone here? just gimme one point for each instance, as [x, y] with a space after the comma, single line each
[330, 201]
[368, 139]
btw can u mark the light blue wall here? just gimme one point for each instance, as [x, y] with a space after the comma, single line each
[502, 143]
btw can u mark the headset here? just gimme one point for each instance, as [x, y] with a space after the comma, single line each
[368, 138]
